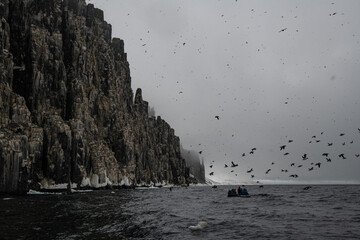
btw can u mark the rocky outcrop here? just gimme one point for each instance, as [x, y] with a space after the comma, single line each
[195, 165]
[68, 113]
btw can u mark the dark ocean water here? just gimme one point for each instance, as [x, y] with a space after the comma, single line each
[272, 212]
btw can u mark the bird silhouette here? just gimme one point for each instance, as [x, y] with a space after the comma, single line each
[293, 164]
[253, 149]
[282, 30]
[233, 164]
[343, 143]
[312, 168]
[294, 175]
[252, 176]
[318, 164]
[325, 154]
[357, 155]
[282, 147]
[300, 165]
[313, 136]
[317, 141]
[342, 134]
[226, 166]
[268, 171]
[290, 141]
[212, 173]
[304, 157]
[243, 154]
[342, 156]
[217, 117]
[330, 144]
[200, 152]
[328, 159]
[252, 152]
[249, 171]
[286, 153]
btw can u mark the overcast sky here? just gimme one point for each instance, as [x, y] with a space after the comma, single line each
[272, 71]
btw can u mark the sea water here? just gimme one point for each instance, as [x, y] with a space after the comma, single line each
[272, 212]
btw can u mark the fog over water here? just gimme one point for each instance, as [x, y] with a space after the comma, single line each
[272, 71]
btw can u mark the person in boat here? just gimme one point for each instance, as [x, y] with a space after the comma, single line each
[244, 191]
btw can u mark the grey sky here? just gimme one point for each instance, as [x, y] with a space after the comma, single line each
[271, 70]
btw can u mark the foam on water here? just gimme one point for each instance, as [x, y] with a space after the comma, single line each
[201, 225]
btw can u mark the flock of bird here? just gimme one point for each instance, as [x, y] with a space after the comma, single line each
[293, 165]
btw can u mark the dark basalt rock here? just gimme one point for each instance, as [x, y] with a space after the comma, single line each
[67, 108]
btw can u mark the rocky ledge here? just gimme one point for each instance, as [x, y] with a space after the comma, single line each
[67, 110]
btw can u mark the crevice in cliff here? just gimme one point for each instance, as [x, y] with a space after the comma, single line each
[20, 49]
[67, 44]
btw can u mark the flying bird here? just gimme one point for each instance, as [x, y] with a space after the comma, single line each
[330, 144]
[252, 176]
[243, 154]
[249, 171]
[342, 134]
[217, 117]
[212, 173]
[294, 175]
[328, 159]
[318, 164]
[210, 166]
[252, 152]
[282, 147]
[282, 30]
[253, 149]
[268, 171]
[233, 164]
[357, 155]
[312, 168]
[226, 166]
[300, 165]
[200, 152]
[290, 141]
[325, 154]
[286, 153]
[293, 164]
[342, 156]
[304, 157]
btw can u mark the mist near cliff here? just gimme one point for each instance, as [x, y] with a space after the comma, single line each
[271, 71]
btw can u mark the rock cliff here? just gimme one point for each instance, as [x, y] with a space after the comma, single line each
[196, 166]
[67, 110]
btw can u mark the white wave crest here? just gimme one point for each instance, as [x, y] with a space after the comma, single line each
[199, 226]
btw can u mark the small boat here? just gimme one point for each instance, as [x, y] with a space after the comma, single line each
[232, 194]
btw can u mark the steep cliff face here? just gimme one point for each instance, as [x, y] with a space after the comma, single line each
[67, 108]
